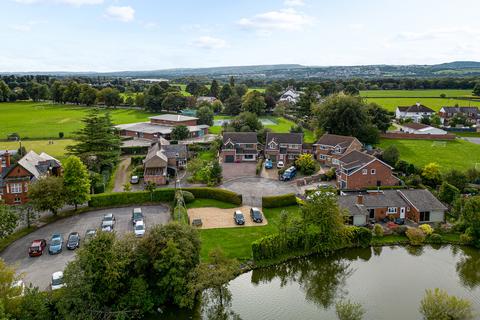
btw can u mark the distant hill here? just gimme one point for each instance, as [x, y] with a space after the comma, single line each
[296, 71]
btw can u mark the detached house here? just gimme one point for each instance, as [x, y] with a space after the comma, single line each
[420, 128]
[290, 95]
[283, 146]
[415, 112]
[471, 113]
[331, 147]
[16, 178]
[358, 170]
[239, 147]
[419, 206]
[163, 159]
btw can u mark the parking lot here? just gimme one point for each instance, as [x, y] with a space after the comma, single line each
[222, 218]
[38, 270]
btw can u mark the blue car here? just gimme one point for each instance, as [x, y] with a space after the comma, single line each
[268, 164]
[56, 243]
[289, 174]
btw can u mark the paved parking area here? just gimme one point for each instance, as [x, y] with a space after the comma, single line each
[38, 270]
[238, 170]
[222, 218]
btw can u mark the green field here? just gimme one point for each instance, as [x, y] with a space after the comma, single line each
[36, 120]
[436, 104]
[457, 154]
[56, 150]
[416, 93]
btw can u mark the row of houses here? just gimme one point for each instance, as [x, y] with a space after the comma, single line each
[419, 111]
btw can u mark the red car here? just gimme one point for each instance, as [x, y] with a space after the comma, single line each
[37, 247]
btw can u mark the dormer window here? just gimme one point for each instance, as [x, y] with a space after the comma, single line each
[229, 145]
[272, 145]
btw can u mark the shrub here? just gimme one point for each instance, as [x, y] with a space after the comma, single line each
[435, 238]
[137, 161]
[400, 230]
[258, 169]
[61, 135]
[427, 229]
[124, 198]
[378, 230]
[279, 201]
[347, 310]
[359, 236]
[217, 194]
[466, 238]
[415, 236]
[330, 174]
[188, 197]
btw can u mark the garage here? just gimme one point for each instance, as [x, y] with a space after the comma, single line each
[229, 159]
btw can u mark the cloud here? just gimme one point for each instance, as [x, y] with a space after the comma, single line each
[207, 42]
[284, 19]
[124, 14]
[69, 2]
[25, 27]
[294, 3]
[440, 33]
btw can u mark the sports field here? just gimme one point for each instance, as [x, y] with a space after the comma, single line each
[432, 93]
[55, 148]
[456, 154]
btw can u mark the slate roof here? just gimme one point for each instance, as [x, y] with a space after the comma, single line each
[416, 108]
[240, 137]
[423, 200]
[461, 109]
[147, 127]
[289, 138]
[165, 151]
[350, 203]
[334, 140]
[38, 164]
[173, 117]
[355, 159]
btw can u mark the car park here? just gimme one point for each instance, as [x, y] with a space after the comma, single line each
[280, 164]
[134, 180]
[256, 215]
[289, 174]
[57, 280]
[268, 164]
[37, 247]
[56, 244]
[139, 229]
[108, 222]
[137, 215]
[90, 234]
[73, 241]
[238, 218]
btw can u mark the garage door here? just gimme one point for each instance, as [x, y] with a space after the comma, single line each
[229, 159]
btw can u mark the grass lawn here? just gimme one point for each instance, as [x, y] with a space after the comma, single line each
[206, 155]
[416, 93]
[436, 104]
[456, 154]
[45, 120]
[468, 134]
[203, 203]
[56, 150]
[236, 242]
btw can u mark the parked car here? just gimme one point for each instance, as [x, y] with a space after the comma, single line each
[37, 247]
[280, 165]
[108, 222]
[268, 164]
[137, 215]
[238, 218]
[399, 221]
[256, 215]
[57, 280]
[134, 180]
[90, 234]
[73, 241]
[289, 174]
[56, 243]
[139, 229]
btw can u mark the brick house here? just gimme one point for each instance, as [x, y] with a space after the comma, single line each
[416, 205]
[16, 178]
[471, 113]
[6, 156]
[239, 147]
[415, 112]
[331, 147]
[358, 170]
[163, 159]
[161, 127]
[283, 146]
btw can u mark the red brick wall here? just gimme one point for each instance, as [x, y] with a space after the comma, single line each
[360, 181]
[159, 180]
[413, 136]
[17, 173]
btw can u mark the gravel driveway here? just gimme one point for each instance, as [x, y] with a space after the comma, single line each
[222, 218]
[38, 270]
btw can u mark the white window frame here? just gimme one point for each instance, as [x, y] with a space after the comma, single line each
[335, 161]
[249, 156]
[373, 171]
[364, 172]
[17, 200]
[323, 147]
[272, 145]
[392, 210]
[293, 146]
[323, 157]
[15, 188]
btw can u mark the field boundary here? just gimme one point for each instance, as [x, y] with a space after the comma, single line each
[413, 136]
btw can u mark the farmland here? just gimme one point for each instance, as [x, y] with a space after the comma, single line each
[457, 154]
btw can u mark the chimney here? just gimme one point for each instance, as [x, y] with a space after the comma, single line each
[7, 159]
[360, 199]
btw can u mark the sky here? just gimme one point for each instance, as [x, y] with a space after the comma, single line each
[118, 35]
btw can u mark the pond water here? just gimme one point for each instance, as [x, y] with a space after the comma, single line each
[388, 281]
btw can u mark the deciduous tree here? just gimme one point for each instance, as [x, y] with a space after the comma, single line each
[76, 181]
[179, 133]
[8, 220]
[437, 304]
[47, 194]
[254, 102]
[205, 115]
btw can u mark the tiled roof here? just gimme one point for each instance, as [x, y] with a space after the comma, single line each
[415, 108]
[334, 140]
[355, 159]
[461, 109]
[423, 200]
[290, 138]
[38, 164]
[240, 137]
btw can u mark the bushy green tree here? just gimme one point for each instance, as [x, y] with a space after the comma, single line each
[431, 174]
[233, 105]
[246, 122]
[76, 181]
[391, 155]
[179, 133]
[110, 97]
[439, 305]
[34, 305]
[8, 220]
[214, 89]
[47, 194]
[448, 193]
[476, 89]
[88, 95]
[173, 101]
[305, 163]
[205, 115]
[457, 178]
[254, 102]
[347, 310]
[225, 93]
[379, 116]
[470, 214]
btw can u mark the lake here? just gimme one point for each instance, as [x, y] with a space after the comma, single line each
[388, 281]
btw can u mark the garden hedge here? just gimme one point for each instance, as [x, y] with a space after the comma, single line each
[284, 200]
[216, 194]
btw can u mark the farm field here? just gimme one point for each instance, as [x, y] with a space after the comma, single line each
[456, 154]
[56, 149]
[436, 104]
[36, 120]
[416, 93]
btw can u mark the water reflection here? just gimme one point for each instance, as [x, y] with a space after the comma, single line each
[468, 267]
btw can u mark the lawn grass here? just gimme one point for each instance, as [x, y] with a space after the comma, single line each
[436, 104]
[468, 134]
[236, 242]
[56, 150]
[206, 155]
[205, 203]
[40, 120]
[456, 154]
[417, 93]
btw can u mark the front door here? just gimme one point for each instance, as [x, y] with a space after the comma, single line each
[402, 213]
[371, 213]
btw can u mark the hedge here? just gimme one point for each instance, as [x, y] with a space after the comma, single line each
[279, 201]
[216, 194]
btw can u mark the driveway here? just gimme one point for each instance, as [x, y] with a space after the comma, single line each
[237, 170]
[122, 175]
[222, 218]
[472, 139]
[254, 188]
[38, 270]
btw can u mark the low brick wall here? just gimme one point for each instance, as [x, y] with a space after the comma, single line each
[413, 136]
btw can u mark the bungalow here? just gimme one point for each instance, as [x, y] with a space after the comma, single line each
[418, 205]
[163, 159]
[239, 147]
[283, 146]
[331, 147]
[15, 178]
[471, 113]
[415, 112]
[360, 170]
[162, 126]
[420, 128]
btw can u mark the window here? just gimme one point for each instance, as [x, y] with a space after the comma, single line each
[392, 210]
[17, 200]
[373, 171]
[364, 171]
[335, 161]
[16, 188]
[322, 147]
[293, 146]
[291, 156]
[323, 157]
[424, 216]
[272, 145]
[248, 146]
[248, 156]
